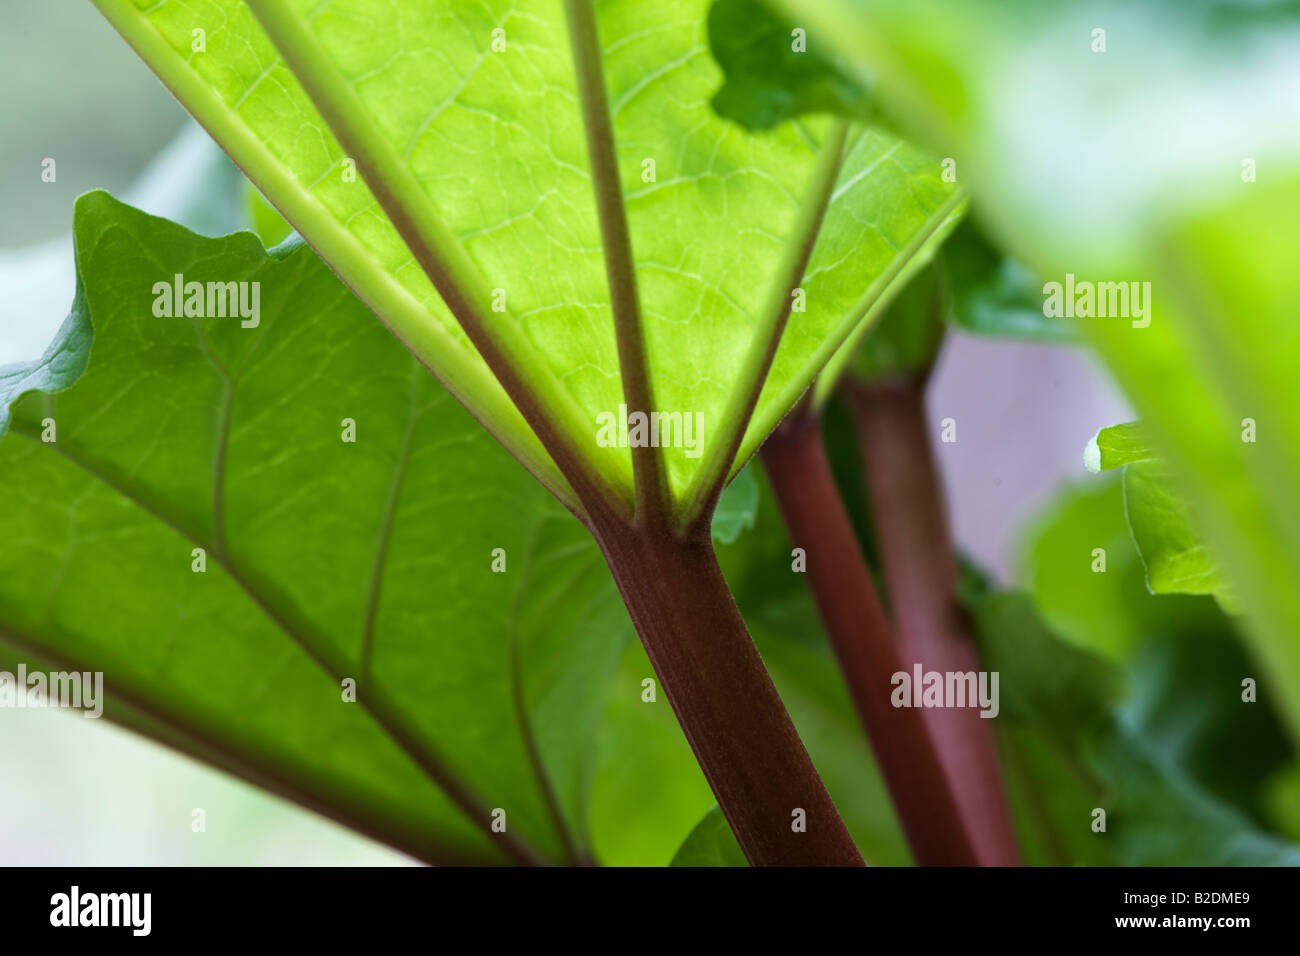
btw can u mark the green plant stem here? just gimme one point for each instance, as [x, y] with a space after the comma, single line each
[920, 572]
[796, 465]
[724, 699]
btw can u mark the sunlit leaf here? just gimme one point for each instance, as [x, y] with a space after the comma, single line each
[480, 139]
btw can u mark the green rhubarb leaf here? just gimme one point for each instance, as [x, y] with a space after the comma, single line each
[1088, 580]
[1176, 556]
[711, 843]
[266, 221]
[772, 71]
[970, 286]
[737, 508]
[241, 90]
[61, 364]
[996, 296]
[1077, 744]
[466, 120]
[1117, 446]
[1044, 681]
[642, 806]
[880, 295]
[907, 337]
[191, 518]
[372, 560]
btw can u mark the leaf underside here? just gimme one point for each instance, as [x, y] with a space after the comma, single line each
[375, 560]
[323, 559]
[493, 136]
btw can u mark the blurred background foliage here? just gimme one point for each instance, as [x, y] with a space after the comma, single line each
[1152, 142]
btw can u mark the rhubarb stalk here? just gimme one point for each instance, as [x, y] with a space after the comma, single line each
[796, 465]
[920, 573]
[724, 699]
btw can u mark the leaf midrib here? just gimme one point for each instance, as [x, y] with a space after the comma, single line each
[547, 406]
[458, 368]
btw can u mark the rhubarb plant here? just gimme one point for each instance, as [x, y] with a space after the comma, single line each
[691, 268]
[627, 290]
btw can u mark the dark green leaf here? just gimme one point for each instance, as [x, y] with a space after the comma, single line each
[1075, 749]
[737, 508]
[60, 365]
[1187, 706]
[1044, 682]
[711, 843]
[1088, 582]
[1176, 556]
[325, 559]
[774, 73]
[993, 295]
[1157, 816]
[906, 339]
